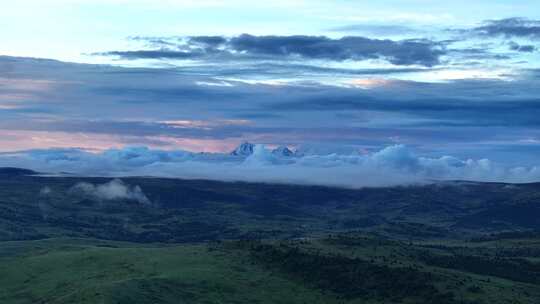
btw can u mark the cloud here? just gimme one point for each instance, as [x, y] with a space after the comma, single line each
[45, 191]
[393, 165]
[421, 52]
[521, 48]
[510, 27]
[154, 54]
[43, 202]
[467, 105]
[113, 190]
[335, 106]
[208, 41]
[377, 29]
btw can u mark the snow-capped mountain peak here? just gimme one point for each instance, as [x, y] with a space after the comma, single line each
[244, 149]
[282, 151]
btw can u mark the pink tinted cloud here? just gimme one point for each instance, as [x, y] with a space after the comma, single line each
[17, 140]
[32, 85]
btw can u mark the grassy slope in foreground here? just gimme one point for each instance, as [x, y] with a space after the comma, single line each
[84, 271]
[338, 270]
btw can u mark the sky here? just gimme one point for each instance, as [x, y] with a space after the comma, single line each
[104, 81]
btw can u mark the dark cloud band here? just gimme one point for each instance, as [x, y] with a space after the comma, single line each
[510, 27]
[405, 52]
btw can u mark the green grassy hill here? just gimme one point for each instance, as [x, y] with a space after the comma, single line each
[339, 269]
[84, 271]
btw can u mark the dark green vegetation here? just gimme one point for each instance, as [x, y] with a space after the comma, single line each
[213, 242]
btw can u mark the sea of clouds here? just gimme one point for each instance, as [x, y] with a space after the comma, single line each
[393, 165]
